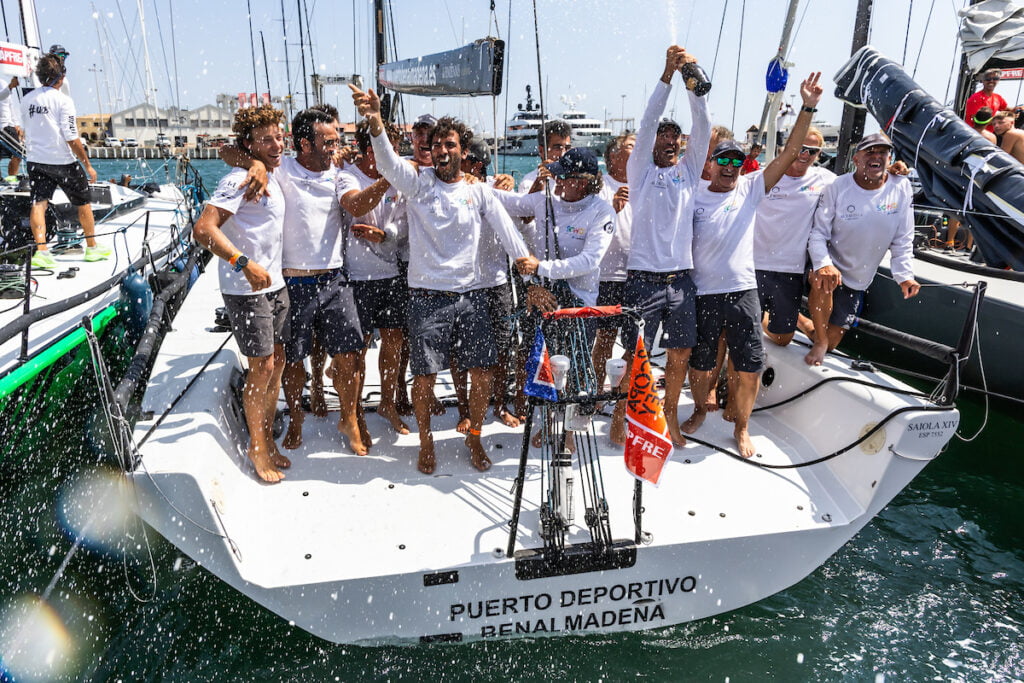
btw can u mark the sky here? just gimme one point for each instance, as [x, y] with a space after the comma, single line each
[605, 53]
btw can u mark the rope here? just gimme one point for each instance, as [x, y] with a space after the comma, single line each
[906, 36]
[718, 43]
[924, 33]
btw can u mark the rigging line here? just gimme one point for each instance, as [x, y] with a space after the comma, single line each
[309, 35]
[924, 33]
[174, 56]
[906, 37]
[689, 23]
[163, 49]
[796, 33]
[956, 51]
[131, 52]
[504, 135]
[718, 43]
[3, 10]
[266, 66]
[739, 53]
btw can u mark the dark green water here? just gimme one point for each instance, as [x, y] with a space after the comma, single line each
[931, 589]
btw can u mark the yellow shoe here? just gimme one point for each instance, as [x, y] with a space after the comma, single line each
[44, 259]
[98, 253]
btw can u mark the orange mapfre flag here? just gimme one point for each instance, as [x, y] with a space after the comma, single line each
[648, 445]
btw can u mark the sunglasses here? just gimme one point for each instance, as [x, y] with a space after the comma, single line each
[725, 161]
[570, 176]
[809, 150]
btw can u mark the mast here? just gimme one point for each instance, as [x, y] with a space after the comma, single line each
[380, 57]
[302, 54]
[852, 126]
[287, 64]
[150, 86]
[30, 24]
[771, 102]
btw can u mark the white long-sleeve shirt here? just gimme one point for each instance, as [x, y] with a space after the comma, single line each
[661, 197]
[49, 118]
[6, 108]
[613, 266]
[584, 230]
[784, 220]
[853, 227]
[446, 222]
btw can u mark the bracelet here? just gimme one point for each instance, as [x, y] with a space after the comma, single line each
[234, 258]
[809, 110]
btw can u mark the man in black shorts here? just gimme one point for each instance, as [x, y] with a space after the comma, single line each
[54, 151]
[10, 134]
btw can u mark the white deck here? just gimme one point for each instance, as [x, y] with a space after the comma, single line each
[165, 208]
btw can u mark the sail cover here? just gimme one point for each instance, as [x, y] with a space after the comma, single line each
[992, 33]
[475, 69]
[959, 169]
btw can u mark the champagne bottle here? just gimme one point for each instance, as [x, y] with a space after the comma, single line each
[695, 79]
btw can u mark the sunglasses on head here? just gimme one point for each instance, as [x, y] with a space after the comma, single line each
[725, 161]
[807, 149]
[569, 176]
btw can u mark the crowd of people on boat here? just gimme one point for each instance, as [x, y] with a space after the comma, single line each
[317, 254]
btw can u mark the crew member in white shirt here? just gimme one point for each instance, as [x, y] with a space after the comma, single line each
[322, 304]
[554, 139]
[723, 269]
[781, 230]
[10, 132]
[247, 237]
[612, 288]
[54, 151]
[372, 254]
[661, 187]
[860, 216]
[448, 311]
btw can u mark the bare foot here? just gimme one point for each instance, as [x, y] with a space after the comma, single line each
[477, 454]
[279, 460]
[537, 439]
[711, 403]
[673, 432]
[426, 462]
[694, 421]
[293, 437]
[728, 415]
[364, 430]
[317, 399]
[817, 354]
[463, 426]
[746, 446]
[390, 413]
[354, 436]
[402, 407]
[507, 418]
[437, 408]
[265, 468]
[521, 407]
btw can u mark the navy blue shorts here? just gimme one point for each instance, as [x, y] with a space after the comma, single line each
[739, 314]
[322, 305]
[443, 325]
[610, 294]
[46, 178]
[665, 300]
[780, 295]
[381, 304]
[846, 306]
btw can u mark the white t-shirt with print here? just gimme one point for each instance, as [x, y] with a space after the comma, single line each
[48, 118]
[784, 219]
[255, 228]
[723, 237]
[371, 260]
[853, 227]
[313, 224]
[613, 265]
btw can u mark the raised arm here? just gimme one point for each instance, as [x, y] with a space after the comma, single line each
[810, 93]
[648, 131]
[361, 202]
[397, 170]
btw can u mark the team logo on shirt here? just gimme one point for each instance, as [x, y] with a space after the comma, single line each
[578, 232]
[850, 213]
[466, 202]
[34, 109]
[390, 199]
[731, 206]
[888, 208]
[609, 227]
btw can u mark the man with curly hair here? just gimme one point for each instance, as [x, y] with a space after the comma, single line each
[448, 309]
[247, 237]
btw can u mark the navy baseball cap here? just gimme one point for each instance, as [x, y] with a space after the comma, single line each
[425, 120]
[727, 148]
[874, 140]
[576, 160]
[59, 51]
[478, 152]
[665, 124]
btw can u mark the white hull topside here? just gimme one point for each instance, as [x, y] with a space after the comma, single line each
[369, 550]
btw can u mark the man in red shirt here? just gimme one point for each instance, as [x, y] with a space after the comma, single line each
[986, 97]
[751, 164]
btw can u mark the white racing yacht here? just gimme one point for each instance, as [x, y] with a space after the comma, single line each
[369, 550]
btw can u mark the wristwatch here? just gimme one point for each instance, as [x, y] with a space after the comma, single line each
[241, 262]
[809, 110]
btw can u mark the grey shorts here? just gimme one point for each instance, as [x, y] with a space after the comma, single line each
[780, 295]
[610, 294]
[258, 321]
[322, 305]
[382, 304]
[443, 325]
[846, 306]
[739, 314]
[666, 300]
